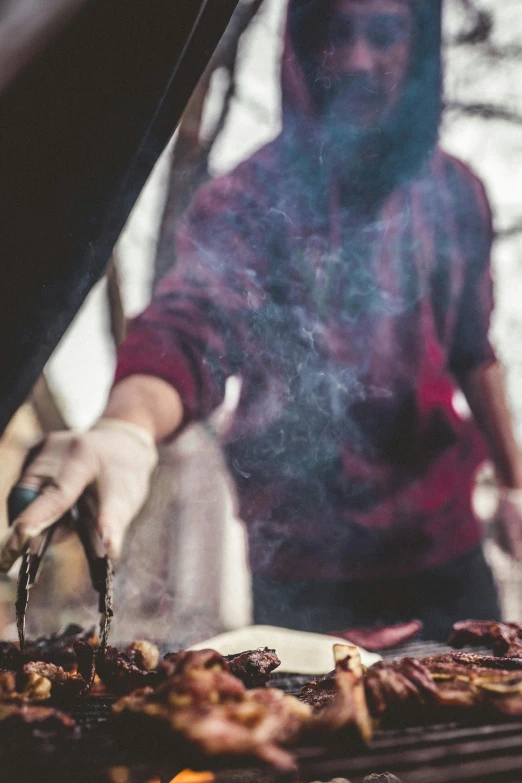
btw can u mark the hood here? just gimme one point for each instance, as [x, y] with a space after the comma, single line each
[408, 137]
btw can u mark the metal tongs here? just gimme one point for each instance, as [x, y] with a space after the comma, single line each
[100, 567]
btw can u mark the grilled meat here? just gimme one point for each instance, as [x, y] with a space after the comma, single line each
[28, 721]
[347, 711]
[410, 690]
[177, 663]
[204, 703]
[144, 654]
[486, 661]
[34, 688]
[120, 672]
[319, 692]
[386, 777]
[65, 686]
[59, 648]
[39, 681]
[504, 639]
[253, 667]
[394, 687]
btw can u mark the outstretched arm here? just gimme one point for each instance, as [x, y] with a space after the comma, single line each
[485, 392]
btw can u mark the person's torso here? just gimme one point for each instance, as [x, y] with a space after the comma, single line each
[347, 448]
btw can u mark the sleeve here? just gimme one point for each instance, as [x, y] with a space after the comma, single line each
[471, 346]
[195, 332]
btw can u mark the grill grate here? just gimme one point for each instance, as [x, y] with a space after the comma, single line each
[448, 753]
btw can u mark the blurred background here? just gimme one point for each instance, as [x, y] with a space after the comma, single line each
[184, 573]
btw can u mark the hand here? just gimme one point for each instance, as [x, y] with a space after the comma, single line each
[508, 522]
[115, 458]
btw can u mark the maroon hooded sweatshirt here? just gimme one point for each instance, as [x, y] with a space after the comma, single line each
[349, 323]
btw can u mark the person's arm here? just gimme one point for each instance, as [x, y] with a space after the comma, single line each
[147, 402]
[485, 393]
[172, 370]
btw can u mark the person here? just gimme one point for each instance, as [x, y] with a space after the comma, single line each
[343, 273]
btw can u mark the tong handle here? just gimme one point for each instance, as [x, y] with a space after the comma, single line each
[94, 549]
[19, 499]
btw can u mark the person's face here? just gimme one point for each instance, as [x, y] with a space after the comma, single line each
[365, 60]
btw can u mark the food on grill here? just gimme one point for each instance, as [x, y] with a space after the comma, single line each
[504, 639]
[221, 706]
[124, 672]
[28, 721]
[59, 649]
[488, 661]
[405, 690]
[37, 681]
[64, 685]
[347, 711]
[319, 692]
[338, 698]
[33, 688]
[144, 654]
[138, 666]
[398, 687]
[253, 667]
[203, 702]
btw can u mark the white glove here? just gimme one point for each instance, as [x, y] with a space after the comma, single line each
[115, 458]
[508, 522]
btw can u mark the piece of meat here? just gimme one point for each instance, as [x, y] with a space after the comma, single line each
[121, 675]
[7, 685]
[478, 686]
[204, 703]
[144, 654]
[64, 685]
[34, 687]
[502, 638]
[424, 690]
[253, 667]
[398, 687]
[176, 663]
[28, 721]
[319, 692]
[381, 637]
[486, 661]
[58, 648]
[347, 712]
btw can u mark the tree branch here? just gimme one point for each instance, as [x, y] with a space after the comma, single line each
[487, 111]
[189, 156]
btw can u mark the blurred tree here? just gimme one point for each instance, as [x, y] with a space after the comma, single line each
[191, 149]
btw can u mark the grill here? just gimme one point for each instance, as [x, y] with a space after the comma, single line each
[449, 753]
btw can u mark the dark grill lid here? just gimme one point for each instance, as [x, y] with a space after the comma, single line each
[81, 125]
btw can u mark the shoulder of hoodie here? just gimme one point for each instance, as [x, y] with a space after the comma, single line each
[250, 188]
[466, 188]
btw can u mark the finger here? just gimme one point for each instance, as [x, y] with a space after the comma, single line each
[11, 547]
[44, 462]
[57, 497]
[112, 527]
